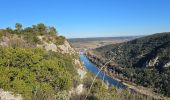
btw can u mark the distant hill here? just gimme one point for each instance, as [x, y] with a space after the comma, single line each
[101, 38]
[144, 61]
[91, 43]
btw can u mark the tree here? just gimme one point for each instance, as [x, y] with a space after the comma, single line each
[28, 29]
[9, 30]
[52, 31]
[18, 26]
[41, 28]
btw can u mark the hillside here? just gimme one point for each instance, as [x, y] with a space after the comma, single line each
[144, 61]
[37, 64]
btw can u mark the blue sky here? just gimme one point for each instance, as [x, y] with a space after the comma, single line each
[90, 18]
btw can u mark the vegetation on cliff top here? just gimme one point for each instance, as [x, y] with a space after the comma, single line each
[34, 72]
[30, 35]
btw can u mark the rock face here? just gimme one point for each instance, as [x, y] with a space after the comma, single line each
[66, 48]
[13, 41]
[51, 47]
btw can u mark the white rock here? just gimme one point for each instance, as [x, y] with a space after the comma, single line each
[81, 72]
[51, 46]
[5, 95]
[66, 48]
[167, 65]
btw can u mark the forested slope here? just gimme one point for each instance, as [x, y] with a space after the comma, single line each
[144, 61]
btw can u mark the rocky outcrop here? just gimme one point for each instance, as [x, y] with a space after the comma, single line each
[66, 48]
[50, 45]
[167, 65]
[13, 41]
[6, 95]
[153, 62]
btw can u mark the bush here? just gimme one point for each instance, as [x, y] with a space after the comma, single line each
[60, 40]
[32, 72]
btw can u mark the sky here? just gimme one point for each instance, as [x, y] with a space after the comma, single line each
[90, 18]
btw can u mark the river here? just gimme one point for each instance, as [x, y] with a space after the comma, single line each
[94, 70]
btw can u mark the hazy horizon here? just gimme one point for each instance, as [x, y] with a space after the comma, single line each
[108, 37]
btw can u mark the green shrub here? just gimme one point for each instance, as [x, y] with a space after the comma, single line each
[31, 72]
[60, 40]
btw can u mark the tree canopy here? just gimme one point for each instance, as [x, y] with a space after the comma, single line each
[18, 26]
